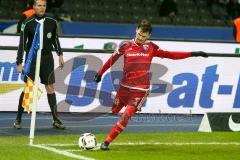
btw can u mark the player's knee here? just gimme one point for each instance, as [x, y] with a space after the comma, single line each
[130, 110]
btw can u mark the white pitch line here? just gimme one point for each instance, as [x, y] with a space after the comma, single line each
[178, 143]
[82, 150]
[157, 143]
[63, 152]
[73, 150]
[60, 145]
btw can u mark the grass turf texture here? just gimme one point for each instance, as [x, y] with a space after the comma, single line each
[14, 147]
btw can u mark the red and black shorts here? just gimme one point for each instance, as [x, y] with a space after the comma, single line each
[129, 96]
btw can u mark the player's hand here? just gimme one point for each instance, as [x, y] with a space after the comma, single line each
[199, 53]
[61, 61]
[20, 68]
[97, 78]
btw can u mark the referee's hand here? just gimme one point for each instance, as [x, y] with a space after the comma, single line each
[20, 68]
[61, 61]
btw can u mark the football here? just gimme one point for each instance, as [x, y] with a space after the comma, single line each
[87, 141]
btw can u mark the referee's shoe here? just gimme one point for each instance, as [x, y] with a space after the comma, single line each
[17, 124]
[58, 124]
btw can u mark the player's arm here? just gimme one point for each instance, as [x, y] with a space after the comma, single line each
[107, 65]
[177, 55]
[172, 55]
[21, 47]
[118, 53]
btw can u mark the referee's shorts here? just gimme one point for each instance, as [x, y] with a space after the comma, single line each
[46, 70]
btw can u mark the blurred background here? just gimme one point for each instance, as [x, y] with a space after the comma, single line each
[174, 19]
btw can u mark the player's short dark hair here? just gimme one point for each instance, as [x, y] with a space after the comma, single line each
[145, 25]
[34, 1]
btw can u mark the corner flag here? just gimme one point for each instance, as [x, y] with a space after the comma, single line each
[28, 90]
[27, 102]
[33, 50]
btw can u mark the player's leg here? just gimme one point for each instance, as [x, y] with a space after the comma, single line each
[120, 100]
[119, 127]
[117, 105]
[135, 99]
[48, 78]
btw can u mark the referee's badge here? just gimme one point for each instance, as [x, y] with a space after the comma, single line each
[22, 26]
[49, 35]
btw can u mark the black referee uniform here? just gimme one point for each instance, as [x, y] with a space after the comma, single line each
[50, 39]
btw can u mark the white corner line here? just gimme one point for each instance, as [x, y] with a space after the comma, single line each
[156, 143]
[178, 143]
[63, 152]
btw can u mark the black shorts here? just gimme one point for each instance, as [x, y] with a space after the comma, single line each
[46, 70]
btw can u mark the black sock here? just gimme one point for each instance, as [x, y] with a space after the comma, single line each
[107, 143]
[20, 108]
[53, 105]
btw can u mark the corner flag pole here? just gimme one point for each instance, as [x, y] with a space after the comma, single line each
[36, 82]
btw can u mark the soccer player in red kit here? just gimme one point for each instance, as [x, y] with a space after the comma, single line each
[134, 86]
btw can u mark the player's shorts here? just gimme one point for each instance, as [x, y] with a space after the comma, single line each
[129, 96]
[46, 70]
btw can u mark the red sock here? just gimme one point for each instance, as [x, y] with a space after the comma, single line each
[121, 124]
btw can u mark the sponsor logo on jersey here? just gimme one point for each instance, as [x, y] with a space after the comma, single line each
[137, 55]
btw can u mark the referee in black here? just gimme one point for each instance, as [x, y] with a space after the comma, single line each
[50, 39]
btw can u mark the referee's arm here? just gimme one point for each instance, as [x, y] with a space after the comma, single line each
[56, 42]
[20, 22]
[22, 44]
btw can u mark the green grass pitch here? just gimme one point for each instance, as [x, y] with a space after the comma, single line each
[129, 146]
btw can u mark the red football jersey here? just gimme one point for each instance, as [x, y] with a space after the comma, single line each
[137, 61]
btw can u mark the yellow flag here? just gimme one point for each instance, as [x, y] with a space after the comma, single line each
[28, 95]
